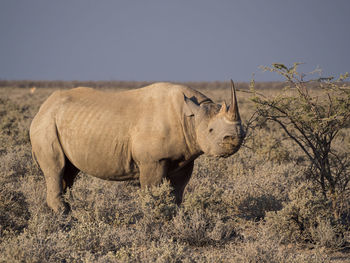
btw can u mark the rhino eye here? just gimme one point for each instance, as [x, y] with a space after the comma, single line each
[210, 130]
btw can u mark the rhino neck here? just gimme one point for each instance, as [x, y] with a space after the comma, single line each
[189, 131]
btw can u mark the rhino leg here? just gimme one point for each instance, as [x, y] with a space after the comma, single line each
[51, 159]
[179, 179]
[69, 174]
[152, 173]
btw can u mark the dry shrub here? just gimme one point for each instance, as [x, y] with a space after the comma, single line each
[12, 116]
[95, 199]
[15, 163]
[326, 234]
[264, 247]
[306, 218]
[57, 242]
[157, 203]
[95, 237]
[161, 251]
[207, 197]
[14, 213]
[157, 207]
[260, 188]
[267, 143]
[200, 228]
[204, 217]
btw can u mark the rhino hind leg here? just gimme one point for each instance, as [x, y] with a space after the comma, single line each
[51, 159]
[69, 174]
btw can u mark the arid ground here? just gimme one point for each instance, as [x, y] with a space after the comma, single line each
[255, 206]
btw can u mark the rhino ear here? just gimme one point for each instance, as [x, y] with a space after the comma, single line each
[190, 108]
[223, 109]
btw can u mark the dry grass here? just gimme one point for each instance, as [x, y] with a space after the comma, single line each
[235, 210]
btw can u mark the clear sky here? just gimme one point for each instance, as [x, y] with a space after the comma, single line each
[163, 40]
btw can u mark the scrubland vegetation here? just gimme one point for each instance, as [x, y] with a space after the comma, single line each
[266, 203]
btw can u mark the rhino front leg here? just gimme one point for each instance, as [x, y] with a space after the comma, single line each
[179, 179]
[152, 173]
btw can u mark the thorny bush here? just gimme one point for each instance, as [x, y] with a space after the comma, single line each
[314, 114]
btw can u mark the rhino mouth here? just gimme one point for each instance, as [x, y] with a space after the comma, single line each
[229, 146]
[229, 152]
[225, 155]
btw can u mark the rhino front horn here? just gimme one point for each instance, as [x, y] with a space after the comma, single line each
[233, 112]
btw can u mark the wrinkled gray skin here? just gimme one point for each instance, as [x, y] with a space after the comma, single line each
[151, 133]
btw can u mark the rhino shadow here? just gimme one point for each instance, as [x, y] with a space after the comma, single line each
[255, 207]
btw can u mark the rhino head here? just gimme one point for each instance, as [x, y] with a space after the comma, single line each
[218, 128]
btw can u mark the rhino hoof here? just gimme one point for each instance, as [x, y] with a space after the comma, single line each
[65, 209]
[62, 208]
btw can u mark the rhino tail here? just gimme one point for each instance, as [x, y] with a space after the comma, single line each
[34, 159]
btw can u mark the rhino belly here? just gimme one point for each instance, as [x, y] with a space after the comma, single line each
[107, 158]
[104, 166]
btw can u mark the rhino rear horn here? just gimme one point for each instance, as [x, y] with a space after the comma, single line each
[233, 112]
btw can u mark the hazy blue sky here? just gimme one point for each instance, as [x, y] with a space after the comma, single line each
[189, 40]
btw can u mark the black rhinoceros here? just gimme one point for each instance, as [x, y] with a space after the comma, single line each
[151, 133]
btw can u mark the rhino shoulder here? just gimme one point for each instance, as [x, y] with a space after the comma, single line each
[177, 91]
